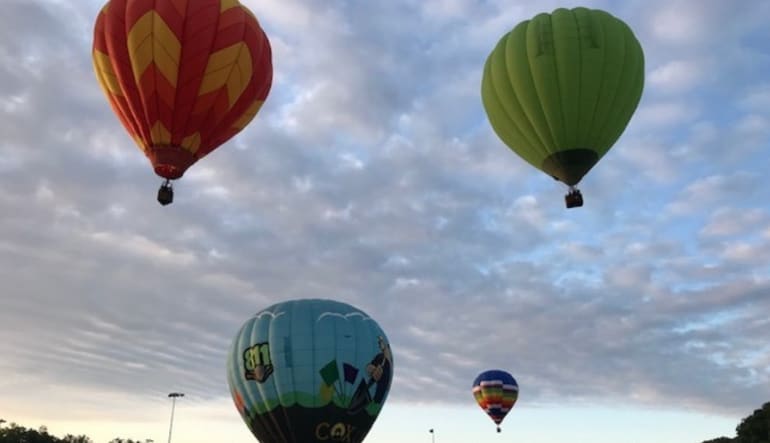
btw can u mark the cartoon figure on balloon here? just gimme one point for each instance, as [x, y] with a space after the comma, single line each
[380, 374]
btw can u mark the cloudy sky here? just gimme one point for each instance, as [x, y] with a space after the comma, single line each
[372, 176]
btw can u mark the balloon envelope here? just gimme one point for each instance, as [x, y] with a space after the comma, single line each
[559, 89]
[183, 76]
[496, 392]
[307, 371]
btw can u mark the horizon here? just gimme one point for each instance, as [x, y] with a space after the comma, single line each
[372, 176]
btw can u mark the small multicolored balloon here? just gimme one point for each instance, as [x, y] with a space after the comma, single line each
[496, 391]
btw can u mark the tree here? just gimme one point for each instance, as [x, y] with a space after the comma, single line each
[753, 429]
[19, 434]
[69, 438]
[14, 433]
[756, 427]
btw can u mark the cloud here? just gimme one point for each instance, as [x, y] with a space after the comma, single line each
[679, 23]
[371, 176]
[665, 114]
[731, 221]
[758, 98]
[677, 76]
[707, 190]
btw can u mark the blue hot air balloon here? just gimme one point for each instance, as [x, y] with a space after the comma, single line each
[307, 371]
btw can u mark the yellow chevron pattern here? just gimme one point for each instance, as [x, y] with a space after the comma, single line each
[248, 115]
[107, 78]
[192, 142]
[139, 142]
[230, 67]
[160, 134]
[224, 5]
[150, 40]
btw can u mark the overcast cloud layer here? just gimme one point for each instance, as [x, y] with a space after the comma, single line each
[371, 176]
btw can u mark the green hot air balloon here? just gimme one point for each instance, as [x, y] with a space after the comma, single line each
[306, 371]
[559, 90]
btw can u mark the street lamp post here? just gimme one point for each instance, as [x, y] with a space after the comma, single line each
[432, 436]
[173, 396]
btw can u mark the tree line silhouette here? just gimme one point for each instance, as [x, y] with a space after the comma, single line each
[752, 429]
[14, 433]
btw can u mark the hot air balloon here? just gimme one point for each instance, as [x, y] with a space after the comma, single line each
[496, 391]
[559, 90]
[183, 76]
[311, 370]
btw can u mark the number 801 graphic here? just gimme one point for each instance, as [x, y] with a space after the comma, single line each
[257, 363]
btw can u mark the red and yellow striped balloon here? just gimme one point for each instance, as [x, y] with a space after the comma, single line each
[183, 76]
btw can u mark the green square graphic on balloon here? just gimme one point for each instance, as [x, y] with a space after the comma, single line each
[329, 373]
